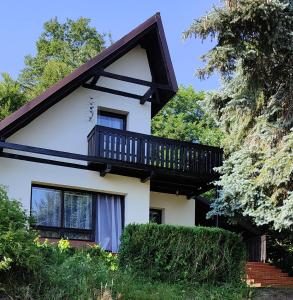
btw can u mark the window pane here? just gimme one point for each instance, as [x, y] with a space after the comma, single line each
[111, 121]
[156, 216]
[46, 206]
[77, 210]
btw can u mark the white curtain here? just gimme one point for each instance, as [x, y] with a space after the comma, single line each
[77, 210]
[108, 221]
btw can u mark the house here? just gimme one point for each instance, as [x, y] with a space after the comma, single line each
[81, 158]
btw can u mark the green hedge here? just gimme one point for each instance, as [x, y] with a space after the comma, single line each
[177, 253]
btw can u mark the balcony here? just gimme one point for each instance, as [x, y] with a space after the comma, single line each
[171, 166]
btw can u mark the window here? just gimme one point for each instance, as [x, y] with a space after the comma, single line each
[156, 216]
[60, 213]
[112, 120]
[78, 215]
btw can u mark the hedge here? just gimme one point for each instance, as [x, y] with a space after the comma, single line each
[177, 253]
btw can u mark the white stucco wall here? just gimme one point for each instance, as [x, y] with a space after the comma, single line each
[18, 176]
[65, 127]
[177, 210]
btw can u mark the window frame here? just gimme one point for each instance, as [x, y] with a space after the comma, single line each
[61, 231]
[117, 115]
[158, 210]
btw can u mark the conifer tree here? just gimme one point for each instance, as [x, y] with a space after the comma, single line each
[254, 107]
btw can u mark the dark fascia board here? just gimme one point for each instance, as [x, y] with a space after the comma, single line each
[64, 87]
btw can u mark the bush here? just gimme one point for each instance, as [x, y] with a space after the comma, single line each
[17, 247]
[176, 253]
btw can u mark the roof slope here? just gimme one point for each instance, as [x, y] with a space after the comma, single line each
[149, 35]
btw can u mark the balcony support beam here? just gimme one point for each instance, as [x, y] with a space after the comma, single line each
[146, 96]
[105, 171]
[148, 177]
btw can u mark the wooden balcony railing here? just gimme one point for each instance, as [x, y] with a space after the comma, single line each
[146, 150]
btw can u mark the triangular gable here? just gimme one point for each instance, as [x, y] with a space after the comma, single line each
[150, 35]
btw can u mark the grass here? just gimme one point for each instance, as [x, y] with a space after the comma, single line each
[123, 286]
[126, 286]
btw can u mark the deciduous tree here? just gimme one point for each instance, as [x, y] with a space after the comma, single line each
[184, 118]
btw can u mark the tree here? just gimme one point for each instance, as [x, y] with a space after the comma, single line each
[184, 118]
[11, 96]
[253, 54]
[61, 48]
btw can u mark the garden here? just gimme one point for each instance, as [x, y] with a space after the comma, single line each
[154, 262]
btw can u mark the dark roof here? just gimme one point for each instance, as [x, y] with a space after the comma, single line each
[149, 35]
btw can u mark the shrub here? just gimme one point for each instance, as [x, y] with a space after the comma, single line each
[17, 247]
[70, 273]
[176, 253]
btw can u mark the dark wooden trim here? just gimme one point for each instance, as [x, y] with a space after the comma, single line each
[95, 79]
[146, 97]
[167, 163]
[1, 148]
[106, 170]
[103, 73]
[81, 157]
[148, 177]
[111, 91]
[157, 97]
[156, 138]
[45, 161]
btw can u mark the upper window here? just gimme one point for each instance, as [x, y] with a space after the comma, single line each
[112, 120]
[61, 213]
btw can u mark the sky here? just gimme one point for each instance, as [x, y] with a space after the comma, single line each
[21, 23]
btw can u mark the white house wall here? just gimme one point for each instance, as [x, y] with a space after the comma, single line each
[65, 127]
[176, 210]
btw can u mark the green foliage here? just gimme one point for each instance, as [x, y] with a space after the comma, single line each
[80, 272]
[61, 48]
[17, 247]
[30, 269]
[11, 96]
[129, 287]
[184, 118]
[280, 250]
[254, 54]
[175, 253]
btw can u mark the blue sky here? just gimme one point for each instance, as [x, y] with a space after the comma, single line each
[21, 23]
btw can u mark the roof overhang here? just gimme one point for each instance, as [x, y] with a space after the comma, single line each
[150, 35]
